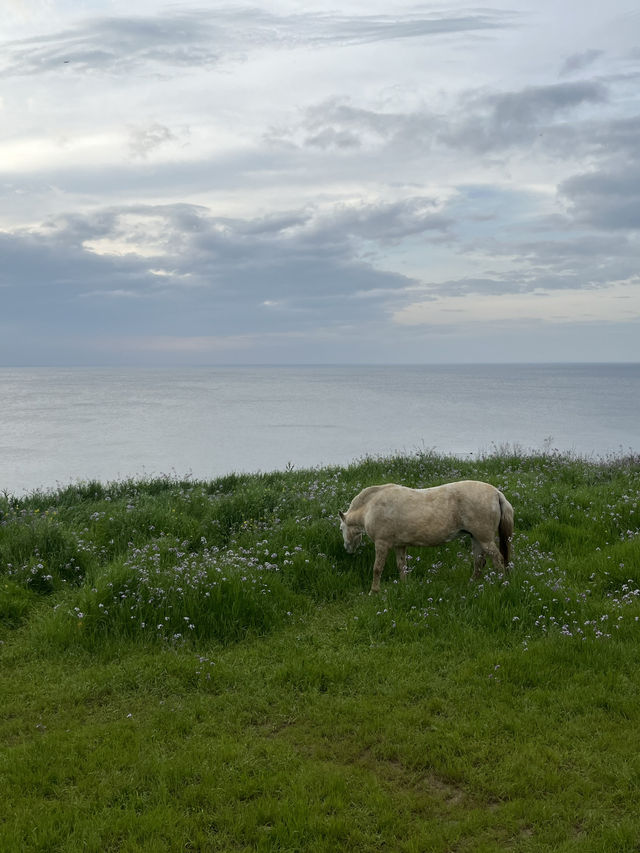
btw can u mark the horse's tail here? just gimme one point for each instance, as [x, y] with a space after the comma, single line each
[505, 529]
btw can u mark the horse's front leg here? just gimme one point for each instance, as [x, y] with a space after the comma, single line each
[382, 549]
[401, 562]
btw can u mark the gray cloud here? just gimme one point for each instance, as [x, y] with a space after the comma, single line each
[580, 252]
[33, 260]
[208, 275]
[337, 123]
[600, 138]
[385, 222]
[42, 283]
[606, 199]
[517, 279]
[579, 61]
[199, 37]
[481, 122]
[499, 121]
[526, 279]
[558, 253]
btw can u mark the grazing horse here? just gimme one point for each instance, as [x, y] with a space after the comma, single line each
[396, 516]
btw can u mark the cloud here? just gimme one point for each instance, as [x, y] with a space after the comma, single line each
[115, 44]
[601, 138]
[143, 140]
[204, 179]
[478, 122]
[619, 302]
[383, 222]
[204, 38]
[606, 199]
[582, 260]
[190, 235]
[499, 121]
[32, 259]
[337, 123]
[182, 272]
[579, 61]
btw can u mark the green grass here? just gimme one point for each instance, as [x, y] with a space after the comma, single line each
[198, 666]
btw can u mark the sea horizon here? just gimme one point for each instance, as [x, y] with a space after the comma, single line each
[61, 424]
[300, 364]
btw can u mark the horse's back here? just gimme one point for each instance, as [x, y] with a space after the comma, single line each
[461, 491]
[429, 516]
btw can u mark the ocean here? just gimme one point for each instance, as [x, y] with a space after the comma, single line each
[62, 425]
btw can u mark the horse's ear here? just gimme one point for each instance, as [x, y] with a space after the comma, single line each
[341, 514]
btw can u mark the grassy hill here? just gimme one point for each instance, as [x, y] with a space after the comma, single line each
[198, 666]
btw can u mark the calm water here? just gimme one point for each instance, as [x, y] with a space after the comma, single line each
[62, 425]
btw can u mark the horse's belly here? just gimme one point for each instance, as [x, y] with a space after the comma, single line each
[427, 538]
[414, 522]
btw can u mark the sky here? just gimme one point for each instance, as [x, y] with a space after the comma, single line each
[279, 182]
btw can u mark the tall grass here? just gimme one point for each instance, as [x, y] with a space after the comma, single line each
[180, 561]
[219, 632]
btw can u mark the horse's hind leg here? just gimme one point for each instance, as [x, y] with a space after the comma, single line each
[482, 550]
[479, 559]
[401, 562]
[381, 557]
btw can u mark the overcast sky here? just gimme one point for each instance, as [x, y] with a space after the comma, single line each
[285, 182]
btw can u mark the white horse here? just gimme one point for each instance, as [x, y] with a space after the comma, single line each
[396, 516]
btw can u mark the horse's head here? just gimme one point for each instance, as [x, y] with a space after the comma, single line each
[351, 533]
